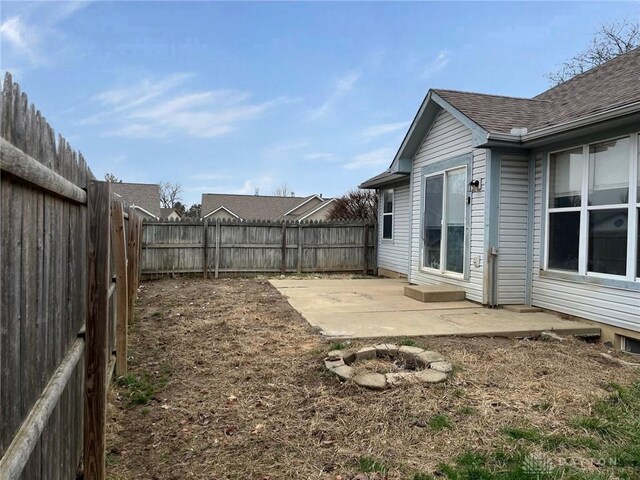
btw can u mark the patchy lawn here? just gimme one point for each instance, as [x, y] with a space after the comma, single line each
[226, 382]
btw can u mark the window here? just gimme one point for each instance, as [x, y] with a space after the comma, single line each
[593, 212]
[387, 215]
[444, 221]
[631, 345]
[565, 198]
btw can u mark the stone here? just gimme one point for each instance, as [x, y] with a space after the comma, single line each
[335, 354]
[374, 381]
[444, 367]
[430, 376]
[399, 377]
[427, 357]
[349, 357]
[330, 363]
[410, 350]
[344, 372]
[387, 349]
[366, 353]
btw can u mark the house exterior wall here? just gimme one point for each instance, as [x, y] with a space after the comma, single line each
[173, 216]
[393, 254]
[513, 229]
[614, 306]
[299, 210]
[221, 214]
[448, 138]
[320, 215]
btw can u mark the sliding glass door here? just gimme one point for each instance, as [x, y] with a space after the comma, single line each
[444, 221]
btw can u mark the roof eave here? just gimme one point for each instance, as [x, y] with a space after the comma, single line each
[385, 182]
[537, 137]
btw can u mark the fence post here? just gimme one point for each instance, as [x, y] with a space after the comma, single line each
[131, 254]
[138, 252]
[118, 244]
[283, 263]
[365, 262]
[217, 264]
[205, 263]
[299, 248]
[96, 333]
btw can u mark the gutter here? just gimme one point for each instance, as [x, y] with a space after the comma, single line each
[570, 125]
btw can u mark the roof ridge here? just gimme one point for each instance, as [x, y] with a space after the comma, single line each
[260, 196]
[591, 71]
[489, 95]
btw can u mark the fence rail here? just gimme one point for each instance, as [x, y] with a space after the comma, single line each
[242, 247]
[59, 326]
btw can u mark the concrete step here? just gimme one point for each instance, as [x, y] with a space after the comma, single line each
[434, 293]
[522, 309]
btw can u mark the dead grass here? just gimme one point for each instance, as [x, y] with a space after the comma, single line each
[244, 394]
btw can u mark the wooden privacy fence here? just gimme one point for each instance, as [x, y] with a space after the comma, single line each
[241, 247]
[69, 276]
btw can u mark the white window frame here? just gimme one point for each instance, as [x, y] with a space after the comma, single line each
[443, 232]
[632, 211]
[391, 214]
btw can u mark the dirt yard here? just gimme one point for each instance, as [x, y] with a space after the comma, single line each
[227, 382]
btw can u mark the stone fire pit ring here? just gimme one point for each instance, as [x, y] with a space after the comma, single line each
[430, 366]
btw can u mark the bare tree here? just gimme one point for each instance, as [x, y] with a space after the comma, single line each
[170, 194]
[111, 178]
[283, 191]
[355, 205]
[608, 42]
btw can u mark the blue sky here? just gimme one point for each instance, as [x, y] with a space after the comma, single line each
[230, 97]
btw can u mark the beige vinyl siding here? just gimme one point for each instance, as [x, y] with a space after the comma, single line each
[320, 215]
[513, 229]
[612, 306]
[394, 254]
[446, 139]
[221, 214]
[305, 207]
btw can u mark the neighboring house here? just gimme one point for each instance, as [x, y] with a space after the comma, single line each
[264, 207]
[524, 201]
[142, 197]
[170, 214]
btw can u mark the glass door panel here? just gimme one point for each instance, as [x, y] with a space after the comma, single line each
[432, 221]
[455, 219]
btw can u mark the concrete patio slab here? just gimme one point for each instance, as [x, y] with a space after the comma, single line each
[370, 308]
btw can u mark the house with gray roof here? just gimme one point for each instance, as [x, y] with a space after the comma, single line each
[264, 207]
[524, 201]
[144, 198]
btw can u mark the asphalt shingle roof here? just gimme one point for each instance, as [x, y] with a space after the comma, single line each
[251, 207]
[144, 195]
[610, 85]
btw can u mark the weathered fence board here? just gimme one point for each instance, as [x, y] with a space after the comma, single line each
[45, 265]
[231, 247]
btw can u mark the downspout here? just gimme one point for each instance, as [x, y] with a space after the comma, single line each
[491, 225]
[410, 240]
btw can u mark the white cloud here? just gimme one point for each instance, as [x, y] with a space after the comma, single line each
[15, 33]
[374, 158]
[264, 185]
[319, 156]
[435, 65]
[382, 129]
[281, 150]
[152, 108]
[343, 86]
[34, 30]
[209, 176]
